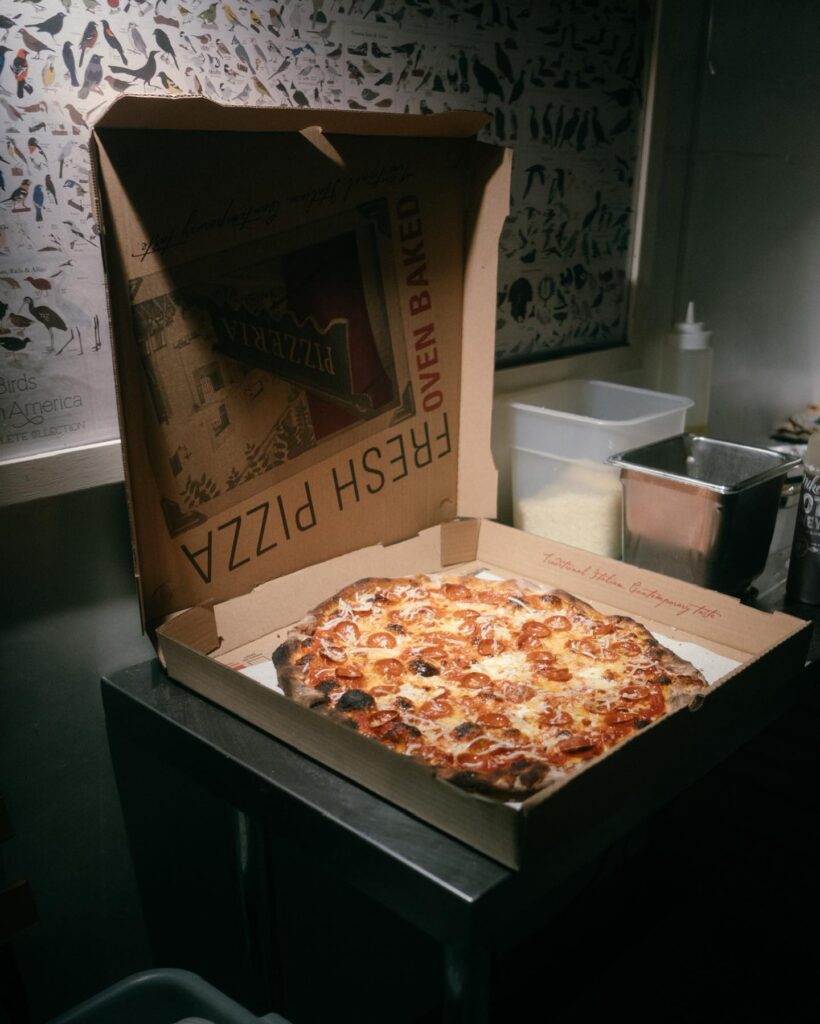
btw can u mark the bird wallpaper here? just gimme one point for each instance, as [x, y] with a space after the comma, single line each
[563, 82]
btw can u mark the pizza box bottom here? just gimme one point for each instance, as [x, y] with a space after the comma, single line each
[223, 652]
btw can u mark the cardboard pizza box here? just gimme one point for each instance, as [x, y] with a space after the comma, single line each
[303, 311]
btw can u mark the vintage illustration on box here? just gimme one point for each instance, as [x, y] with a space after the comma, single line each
[562, 81]
[256, 356]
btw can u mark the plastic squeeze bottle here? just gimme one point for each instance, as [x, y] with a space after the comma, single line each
[686, 368]
[803, 583]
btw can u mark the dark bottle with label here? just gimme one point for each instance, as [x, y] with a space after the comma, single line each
[803, 583]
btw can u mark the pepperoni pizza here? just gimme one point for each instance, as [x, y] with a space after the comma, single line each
[501, 688]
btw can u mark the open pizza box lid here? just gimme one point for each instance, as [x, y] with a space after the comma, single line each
[303, 310]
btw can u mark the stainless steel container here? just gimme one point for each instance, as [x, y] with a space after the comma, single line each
[701, 510]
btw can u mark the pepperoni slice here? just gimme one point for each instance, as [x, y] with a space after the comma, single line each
[422, 613]
[529, 642]
[626, 648]
[348, 632]
[580, 744]
[456, 591]
[349, 672]
[494, 720]
[491, 646]
[620, 716]
[634, 693]
[388, 667]
[517, 693]
[558, 717]
[380, 640]
[384, 689]
[332, 653]
[557, 675]
[536, 628]
[540, 659]
[467, 614]
[603, 629]
[433, 653]
[436, 709]
[380, 719]
[475, 680]
[558, 622]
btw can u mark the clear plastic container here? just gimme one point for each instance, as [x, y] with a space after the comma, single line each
[572, 501]
[592, 419]
[560, 436]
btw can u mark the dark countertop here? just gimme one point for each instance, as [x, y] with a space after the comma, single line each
[430, 880]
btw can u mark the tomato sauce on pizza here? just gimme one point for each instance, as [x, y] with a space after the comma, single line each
[499, 687]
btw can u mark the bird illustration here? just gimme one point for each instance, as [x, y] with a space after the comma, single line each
[208, 16]
[49, 75]
[145, 73]
[18, 197]
[13, 344]
[15, 154]
[77, 118]
[33, 43]
[93, 76]
[38, 198]
[35, 150]
[261, 88]
[487, 80]
[136, 40]
[50, 188]
[164, 43]
[51, 26]
[169, 85]
[89, 40]
[230, 17]
[12, 111]
[51, 320]
[117, 84]
[502, 61]
[241, 52]
[68, 60]
[18, 320]
[534, 171]
[3, 51]
[40, 284]
[7, 23]
[19, 68]
[112, 41]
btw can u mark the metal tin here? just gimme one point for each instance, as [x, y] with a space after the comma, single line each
[701, 510]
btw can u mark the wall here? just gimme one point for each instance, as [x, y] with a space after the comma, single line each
[67, 615]
[750, 251]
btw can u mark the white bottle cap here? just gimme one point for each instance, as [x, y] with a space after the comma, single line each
[689, 333]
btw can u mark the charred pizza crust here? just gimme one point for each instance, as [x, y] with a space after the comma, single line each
[561, 683]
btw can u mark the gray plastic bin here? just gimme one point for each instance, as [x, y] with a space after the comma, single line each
[162, 996]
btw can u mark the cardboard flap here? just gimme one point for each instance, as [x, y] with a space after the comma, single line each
[186, 113]
[303, 324]
[196, 629]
